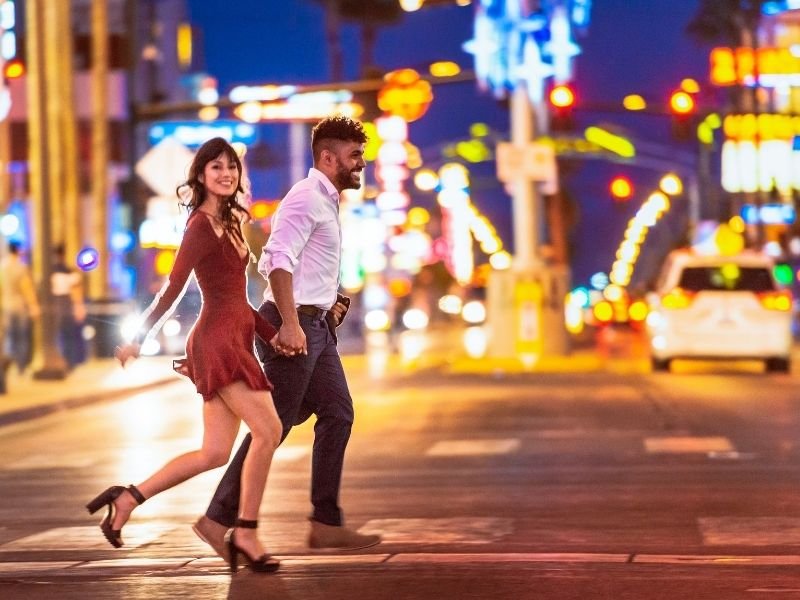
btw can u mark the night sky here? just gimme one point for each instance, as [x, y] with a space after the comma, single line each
[631, 47]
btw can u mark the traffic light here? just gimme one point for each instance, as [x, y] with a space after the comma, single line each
[621, 188]
[683, 109]
[562, 101]
[14, 69]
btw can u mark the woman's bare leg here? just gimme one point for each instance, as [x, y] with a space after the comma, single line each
[258, 412]
[220, 427]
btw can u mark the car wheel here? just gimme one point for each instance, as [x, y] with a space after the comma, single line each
[660, 364]
[778, 365]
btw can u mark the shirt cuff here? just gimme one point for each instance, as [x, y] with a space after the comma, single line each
[280, 261]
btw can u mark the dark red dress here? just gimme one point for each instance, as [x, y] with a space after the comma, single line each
[220, 346]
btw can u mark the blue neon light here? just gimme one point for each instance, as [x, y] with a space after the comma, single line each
[194, 133]
[769, 214]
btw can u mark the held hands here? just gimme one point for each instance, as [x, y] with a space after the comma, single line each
[126, 352]
[290, 340]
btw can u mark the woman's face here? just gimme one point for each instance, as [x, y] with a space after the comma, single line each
[220, 176]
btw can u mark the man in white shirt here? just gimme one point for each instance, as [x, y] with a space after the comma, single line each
[301, 261]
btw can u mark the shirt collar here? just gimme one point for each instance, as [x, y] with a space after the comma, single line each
[323, 179]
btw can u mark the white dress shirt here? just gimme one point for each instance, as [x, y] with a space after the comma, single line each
[306, 241]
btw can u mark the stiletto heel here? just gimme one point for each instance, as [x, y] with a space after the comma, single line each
[263, 564]
[114, 536]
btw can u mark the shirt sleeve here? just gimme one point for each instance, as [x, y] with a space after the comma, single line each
[264, 329]
[292, 226]
[194, 247]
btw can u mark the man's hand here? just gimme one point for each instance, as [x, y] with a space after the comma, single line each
[337, 312]
[126, 352]
[291, 340]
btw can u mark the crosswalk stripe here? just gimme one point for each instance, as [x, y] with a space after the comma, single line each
[686, 444]
[474, 447]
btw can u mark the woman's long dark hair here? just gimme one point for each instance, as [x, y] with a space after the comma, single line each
[230, 205]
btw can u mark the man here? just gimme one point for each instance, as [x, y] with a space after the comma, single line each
[20, 306]
[301, 261]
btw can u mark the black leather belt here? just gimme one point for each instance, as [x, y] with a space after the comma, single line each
[312, 311]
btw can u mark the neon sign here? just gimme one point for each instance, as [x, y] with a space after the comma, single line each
[8, 50]
[767, 67]
[760, 153]
[510, 40]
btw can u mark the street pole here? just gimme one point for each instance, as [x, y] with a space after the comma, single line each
[525, 304]
[50, 13]
[48, 362]
[99, 277]
[70, 192]
[526, 203]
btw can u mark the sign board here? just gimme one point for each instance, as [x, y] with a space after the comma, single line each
[528, 307]
[534, 161]
[165, 166]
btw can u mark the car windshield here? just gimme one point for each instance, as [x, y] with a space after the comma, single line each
[730, 277]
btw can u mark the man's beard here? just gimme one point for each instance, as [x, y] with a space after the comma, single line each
[344, 178]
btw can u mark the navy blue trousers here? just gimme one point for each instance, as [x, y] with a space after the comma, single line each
[304, 385]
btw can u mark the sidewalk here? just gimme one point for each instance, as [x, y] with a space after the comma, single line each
[104, 379]
[95, 380]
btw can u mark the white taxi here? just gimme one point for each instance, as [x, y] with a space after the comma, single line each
[725, 307]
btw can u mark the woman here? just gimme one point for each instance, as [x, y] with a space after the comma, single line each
[219, 355]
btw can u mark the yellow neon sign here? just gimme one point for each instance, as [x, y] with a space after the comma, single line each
[772, 66]
[763, 127]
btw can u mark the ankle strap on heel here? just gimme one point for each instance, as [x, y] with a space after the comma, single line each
[245, 524]
[137, 495]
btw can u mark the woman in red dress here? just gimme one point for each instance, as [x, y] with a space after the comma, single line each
[219, 359]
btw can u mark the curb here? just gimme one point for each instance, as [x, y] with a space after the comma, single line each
[42, 410]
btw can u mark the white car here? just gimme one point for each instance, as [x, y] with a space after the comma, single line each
[719, 307]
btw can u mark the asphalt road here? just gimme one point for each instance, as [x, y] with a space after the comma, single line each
[645, 486]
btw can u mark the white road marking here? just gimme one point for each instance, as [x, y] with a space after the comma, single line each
[702, 559]
[52, 461]
[749, 531]
[687, 445]
[474, 447]
[559, 557]
[136, 562]
[291, 453]
[457, 530]
[86, 538]
[15, 568]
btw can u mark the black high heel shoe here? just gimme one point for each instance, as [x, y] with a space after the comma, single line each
[114, 536]
[263, 564]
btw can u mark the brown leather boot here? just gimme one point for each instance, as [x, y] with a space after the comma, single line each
[213, 534]
[322, 536]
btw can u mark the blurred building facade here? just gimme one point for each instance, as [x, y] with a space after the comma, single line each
[149, 59]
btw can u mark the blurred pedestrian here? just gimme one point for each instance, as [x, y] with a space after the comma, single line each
[220, 357]
[19, 306]
[69, 308]
[301, 261]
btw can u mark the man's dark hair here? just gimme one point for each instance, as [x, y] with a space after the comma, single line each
[335, 129]
[13, 247]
